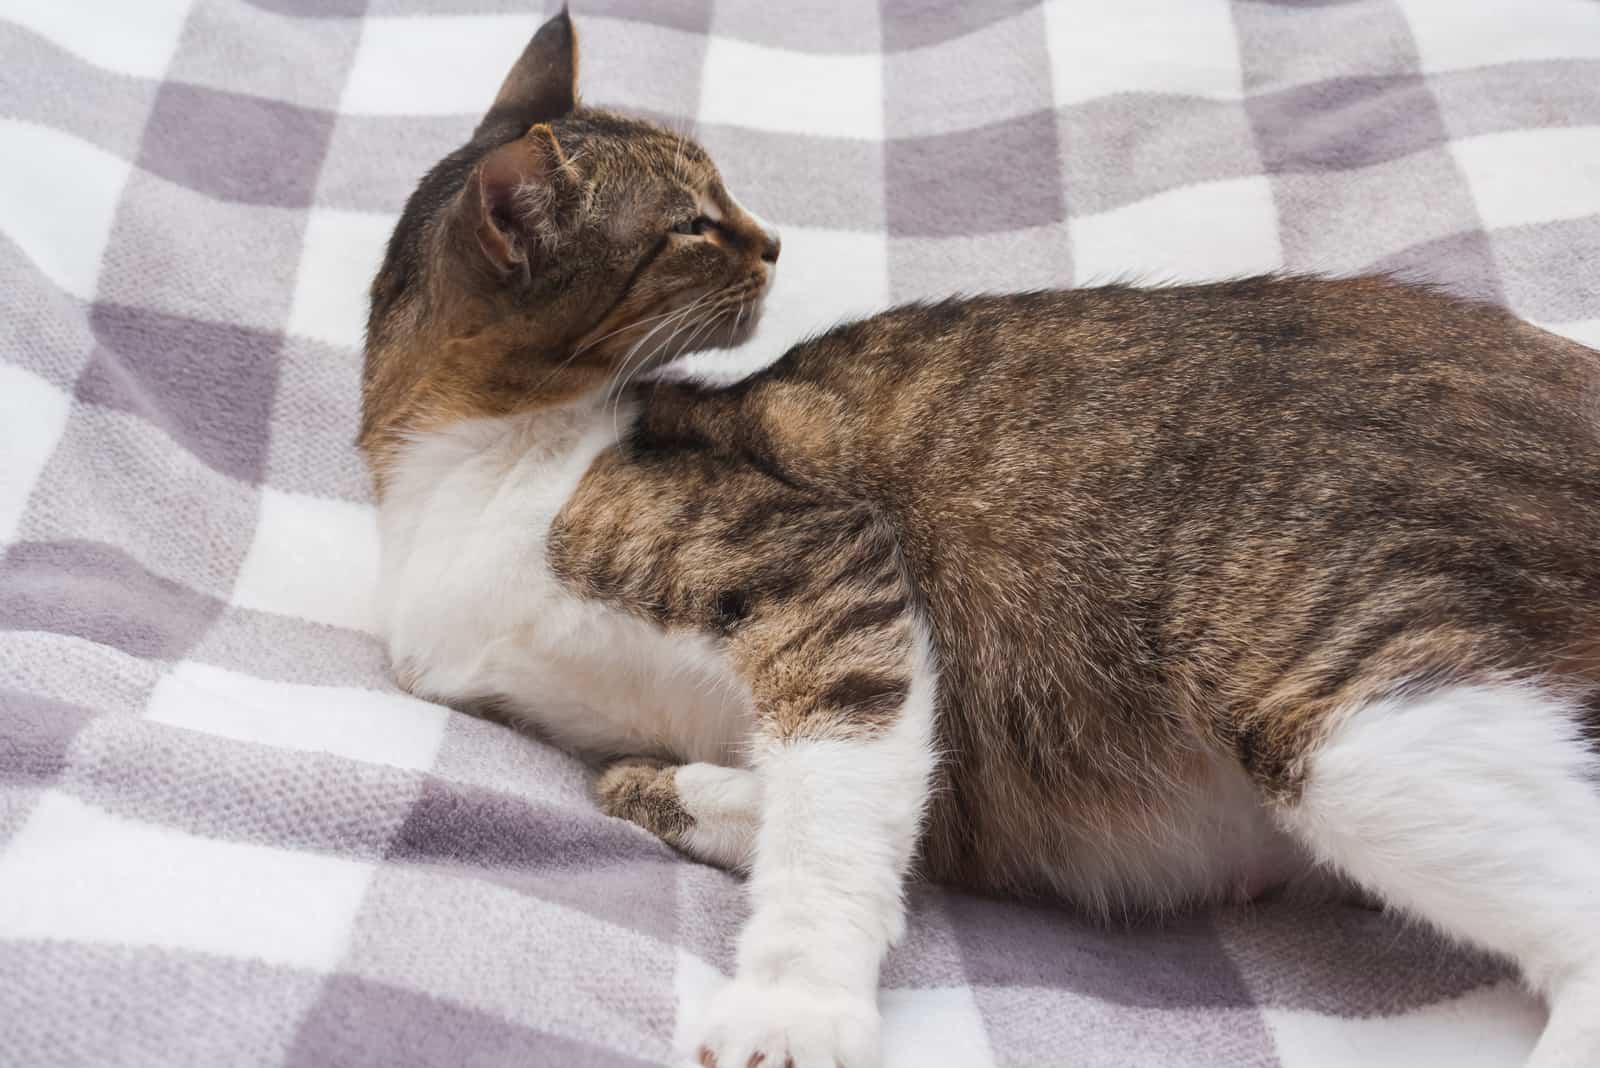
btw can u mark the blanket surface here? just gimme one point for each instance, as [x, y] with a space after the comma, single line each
[226, 838]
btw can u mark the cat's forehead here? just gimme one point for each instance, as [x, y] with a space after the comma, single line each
[636, 171]
[632, 141]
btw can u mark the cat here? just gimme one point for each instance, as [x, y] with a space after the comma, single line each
[1138, 599]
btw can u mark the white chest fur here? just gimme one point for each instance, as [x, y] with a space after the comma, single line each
[471, 610]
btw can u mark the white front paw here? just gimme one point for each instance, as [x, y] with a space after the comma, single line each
[788, 1025]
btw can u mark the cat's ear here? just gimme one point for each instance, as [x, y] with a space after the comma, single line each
[519, 199]
[543, 83]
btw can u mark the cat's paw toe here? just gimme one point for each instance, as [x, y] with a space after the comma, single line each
[645, 792]
[788, 1026]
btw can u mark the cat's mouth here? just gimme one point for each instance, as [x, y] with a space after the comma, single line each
[728, 351]
[722, 319]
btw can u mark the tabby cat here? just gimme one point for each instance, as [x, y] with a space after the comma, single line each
[1138, 599]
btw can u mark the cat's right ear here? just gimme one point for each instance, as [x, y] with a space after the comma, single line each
[519, 199]
[543, 83]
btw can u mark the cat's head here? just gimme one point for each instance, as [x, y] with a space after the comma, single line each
[563, 250]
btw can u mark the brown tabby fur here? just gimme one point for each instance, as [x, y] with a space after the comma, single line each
[1152, 532]
[479, 311]
[1147, 524]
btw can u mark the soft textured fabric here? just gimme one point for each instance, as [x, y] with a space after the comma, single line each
[227, 839]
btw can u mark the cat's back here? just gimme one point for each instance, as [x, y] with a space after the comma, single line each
[1253, 403]
[1143, 518]
[1297, 341]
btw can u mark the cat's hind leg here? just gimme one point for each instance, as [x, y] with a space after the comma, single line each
[1475, 809]
[708, 811]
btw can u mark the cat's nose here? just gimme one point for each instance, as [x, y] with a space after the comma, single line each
[771, 245]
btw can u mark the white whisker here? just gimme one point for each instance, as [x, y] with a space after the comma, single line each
[626, 368]
[622, 329]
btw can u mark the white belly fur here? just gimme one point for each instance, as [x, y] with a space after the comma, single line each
[471, 610]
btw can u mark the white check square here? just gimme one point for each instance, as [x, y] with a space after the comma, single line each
[1532, 176]
[33, 415]
[1213, 230]
[792, 92]
[312, 557]
[1583, 331]
[58, 199]
[400, 68]
[1488, 1028]
[1451, 35]
[136, 39]
[937, 1028]
[341, 253]
[347, 721]
[1100, 47]
[78, 873]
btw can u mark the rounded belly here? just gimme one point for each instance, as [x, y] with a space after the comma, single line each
[1207, 841]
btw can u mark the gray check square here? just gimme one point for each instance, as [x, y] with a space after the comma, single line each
[207, 384]
[1387, 965]
[239, 791]
[359, 1023]
[1122, 148]
[801, 180]
[1524, 96]
[244, 49]
[79, 672]
[375, 161]
[236, 147]
[627, 881]
[1344, 221]
[227, 262]
[1345, 122]
[1282, 45]
[983, 180]
[98, 592]
[920, 23]
[35, 733]
[47, 331]
[1100, 1035]
[492, 756]
[326, 10]
[813, 26]
[168, 509]
[514, 955]
[104, 108]
[710, 905]
[229, 1011]
[318, 396]
[690, 16]
[1006, 74]
[1533, 260]
[669, 83]
[1463, 263]
[1180, 964]
[286, 649]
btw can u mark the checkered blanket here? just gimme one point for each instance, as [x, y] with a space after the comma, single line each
[227, 839]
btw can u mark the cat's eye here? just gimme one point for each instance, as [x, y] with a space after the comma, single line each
[695, 226]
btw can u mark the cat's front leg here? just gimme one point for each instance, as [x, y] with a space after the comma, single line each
[844, 755]
[708, 811]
